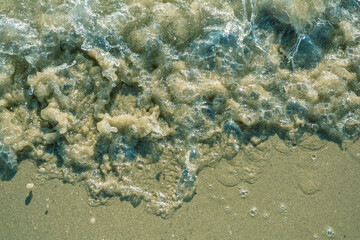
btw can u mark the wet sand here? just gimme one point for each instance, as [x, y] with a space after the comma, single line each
[136, 98]
[301, 194]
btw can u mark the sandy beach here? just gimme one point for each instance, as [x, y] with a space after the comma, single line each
[180, 119]
[301, 194]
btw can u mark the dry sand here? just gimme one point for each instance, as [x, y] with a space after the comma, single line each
[302, 194]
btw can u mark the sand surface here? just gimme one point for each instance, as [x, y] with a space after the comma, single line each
[301, 194]
[153, 119]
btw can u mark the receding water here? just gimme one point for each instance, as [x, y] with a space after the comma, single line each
[135, 98]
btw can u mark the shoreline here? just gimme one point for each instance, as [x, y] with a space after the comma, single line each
[292, 199]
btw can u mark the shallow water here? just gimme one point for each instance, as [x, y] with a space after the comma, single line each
[135, 98]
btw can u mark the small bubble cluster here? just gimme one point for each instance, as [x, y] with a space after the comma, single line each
[243, 192]
[253, 211]
[283, 208]
[330, 232]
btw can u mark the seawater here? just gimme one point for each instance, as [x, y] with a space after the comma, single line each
[135, 98]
